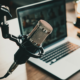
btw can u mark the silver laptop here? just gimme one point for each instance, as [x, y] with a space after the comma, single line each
[62, 54]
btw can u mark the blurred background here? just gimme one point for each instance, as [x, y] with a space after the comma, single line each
[13, 4]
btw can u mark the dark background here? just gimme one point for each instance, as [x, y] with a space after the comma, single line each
[13, 4]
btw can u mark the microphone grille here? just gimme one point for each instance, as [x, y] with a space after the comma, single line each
[40, 32]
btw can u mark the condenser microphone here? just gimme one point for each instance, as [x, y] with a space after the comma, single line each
[40, 32]
[31, 45]
[33, 42]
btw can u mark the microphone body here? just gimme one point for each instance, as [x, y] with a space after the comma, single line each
[31, 45]
[33, 41]
[22, 55]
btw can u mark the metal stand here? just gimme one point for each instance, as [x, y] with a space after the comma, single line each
[24, 52]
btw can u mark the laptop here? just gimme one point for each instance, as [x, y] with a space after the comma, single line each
[62, 53]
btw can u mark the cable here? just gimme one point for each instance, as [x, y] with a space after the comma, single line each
[4, 76]
[11, 69]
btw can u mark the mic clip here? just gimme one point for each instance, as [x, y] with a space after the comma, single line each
[41, 52]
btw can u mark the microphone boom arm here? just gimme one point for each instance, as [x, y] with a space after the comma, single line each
[5, 34]
[20, 57]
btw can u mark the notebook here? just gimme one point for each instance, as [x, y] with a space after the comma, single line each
[62, 54]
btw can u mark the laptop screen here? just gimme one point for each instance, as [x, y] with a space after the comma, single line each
[51, 11]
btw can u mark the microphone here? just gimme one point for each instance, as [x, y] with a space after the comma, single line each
[40, 32]
[31, 44]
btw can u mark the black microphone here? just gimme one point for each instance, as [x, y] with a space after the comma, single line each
[31, 44]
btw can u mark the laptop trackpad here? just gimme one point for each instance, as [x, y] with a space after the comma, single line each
[74, 58]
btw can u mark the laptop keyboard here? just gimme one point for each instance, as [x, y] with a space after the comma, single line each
[59, 52]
